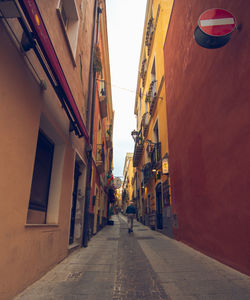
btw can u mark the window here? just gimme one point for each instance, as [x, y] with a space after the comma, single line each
[153, 79]
[46, 183]
[102, 87]
[146, 113]
[69, 18]
[140, 102]
[63, 15]
[156, 132]
[41, 174]
[148, 209]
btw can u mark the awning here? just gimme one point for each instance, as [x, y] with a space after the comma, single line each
[37, 25]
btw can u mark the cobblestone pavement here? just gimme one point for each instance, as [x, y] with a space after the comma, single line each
[141, 265]
[135, 278]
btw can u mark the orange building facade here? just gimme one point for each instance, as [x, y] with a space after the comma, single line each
[46, 65]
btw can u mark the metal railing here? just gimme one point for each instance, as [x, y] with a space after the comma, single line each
[100, 155]
[102, 87]
[155, 155]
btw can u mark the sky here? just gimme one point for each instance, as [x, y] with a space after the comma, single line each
[125, 22]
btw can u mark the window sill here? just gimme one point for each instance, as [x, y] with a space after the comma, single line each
[41, 225]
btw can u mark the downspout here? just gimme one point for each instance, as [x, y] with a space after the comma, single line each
[90, 84]
[40, 37]
[92, 92]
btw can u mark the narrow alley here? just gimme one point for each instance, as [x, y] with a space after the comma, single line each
[142, 265]
[113, 109]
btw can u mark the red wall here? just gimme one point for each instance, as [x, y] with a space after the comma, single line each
[208, 109]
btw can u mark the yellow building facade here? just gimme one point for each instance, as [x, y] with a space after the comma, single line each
[46, 90]
[151, 138]
[127, 186]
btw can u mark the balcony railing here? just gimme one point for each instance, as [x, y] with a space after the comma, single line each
[147, 173]
[134, 179]
[155, 155]
[149, 34]
[152, 96]
[143, 68]
[145, 123]
[149, 31]
[110, 158]
[100, 158]
[138, 150]
[109, 135]
[103, 99]
[143, 72]
[151, 90]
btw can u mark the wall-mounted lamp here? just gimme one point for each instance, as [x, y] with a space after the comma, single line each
[135, 135]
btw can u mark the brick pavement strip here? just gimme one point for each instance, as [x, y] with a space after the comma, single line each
[135, 278]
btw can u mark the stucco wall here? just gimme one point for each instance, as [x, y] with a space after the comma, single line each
[77, 76]
[26, 251]
[208, 112]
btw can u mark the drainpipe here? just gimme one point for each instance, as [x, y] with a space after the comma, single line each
[91, 94]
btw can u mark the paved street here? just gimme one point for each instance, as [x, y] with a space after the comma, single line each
[142, 265]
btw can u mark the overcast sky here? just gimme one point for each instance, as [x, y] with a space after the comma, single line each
[125, 20]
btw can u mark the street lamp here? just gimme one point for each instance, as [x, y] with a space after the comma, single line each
[135, 135]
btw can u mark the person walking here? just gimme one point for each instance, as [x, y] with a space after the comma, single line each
[130, 212]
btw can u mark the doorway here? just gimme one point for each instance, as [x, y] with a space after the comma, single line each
[77, 174]
[158, 206]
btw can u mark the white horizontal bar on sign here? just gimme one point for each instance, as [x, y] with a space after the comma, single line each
[214, 22]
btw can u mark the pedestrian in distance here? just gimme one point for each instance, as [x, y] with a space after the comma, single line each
[131, 213]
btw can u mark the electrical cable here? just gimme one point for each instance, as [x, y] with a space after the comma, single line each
[126, 89]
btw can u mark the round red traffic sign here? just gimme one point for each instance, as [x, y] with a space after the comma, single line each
[217, 22]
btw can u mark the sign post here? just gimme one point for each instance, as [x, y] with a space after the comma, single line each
[165, 166]
[215, 27]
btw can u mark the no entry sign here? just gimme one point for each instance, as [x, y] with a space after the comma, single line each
[217, 22]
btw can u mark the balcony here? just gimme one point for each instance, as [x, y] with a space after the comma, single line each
[110, 159]
[109, 136]
[149, 34]
[138, 150]
[155, 155]
[149, 30]
[152, 96]
[143, 72]
[134, 179]
[103, 99]
[145, 124]
[153, 104]
[147, 173]
[100, 158]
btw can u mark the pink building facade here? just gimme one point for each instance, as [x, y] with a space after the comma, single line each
[208, 112]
